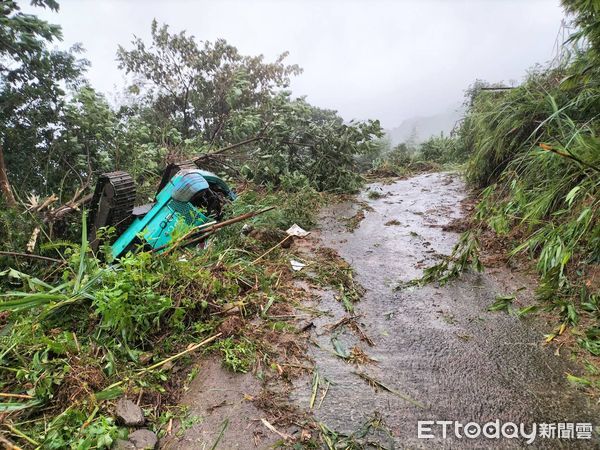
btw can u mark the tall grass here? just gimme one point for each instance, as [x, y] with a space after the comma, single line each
[535, 150]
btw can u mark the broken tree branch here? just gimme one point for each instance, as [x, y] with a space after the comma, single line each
[63, 210]
[279, 244]
[8, 444]
[7, 192]
[203, 231]
[33, 239]
[200, 158]
[28, 255]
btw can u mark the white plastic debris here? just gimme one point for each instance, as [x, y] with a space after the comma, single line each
[297, 265]
[295, 230]
[246, 229]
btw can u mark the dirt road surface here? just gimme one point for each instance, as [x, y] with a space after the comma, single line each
[437, 345]
[438, 350]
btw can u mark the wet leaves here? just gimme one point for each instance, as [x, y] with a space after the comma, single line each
[502, 303]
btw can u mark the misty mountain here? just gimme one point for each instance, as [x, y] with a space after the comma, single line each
[419, 129]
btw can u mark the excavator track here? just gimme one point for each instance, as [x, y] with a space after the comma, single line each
[112, 204]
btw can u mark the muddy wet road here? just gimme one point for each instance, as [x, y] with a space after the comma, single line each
[438, 351]
[437, 345]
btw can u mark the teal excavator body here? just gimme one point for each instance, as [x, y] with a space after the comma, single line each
[187, 197]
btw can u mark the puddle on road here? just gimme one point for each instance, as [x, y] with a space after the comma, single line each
[438, 346]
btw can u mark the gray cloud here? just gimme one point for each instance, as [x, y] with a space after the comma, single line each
[368, 59]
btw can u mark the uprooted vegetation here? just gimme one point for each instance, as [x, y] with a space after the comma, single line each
[82, 333]
[77, 330]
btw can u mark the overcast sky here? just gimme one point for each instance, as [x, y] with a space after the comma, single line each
[389, 60]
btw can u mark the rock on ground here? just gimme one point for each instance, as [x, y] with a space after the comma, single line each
[143, 439]
[129, 414]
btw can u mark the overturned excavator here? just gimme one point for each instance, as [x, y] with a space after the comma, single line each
[186, 195]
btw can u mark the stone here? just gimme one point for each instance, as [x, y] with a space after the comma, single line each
[129, 414]
[143, 439]
[124, 445]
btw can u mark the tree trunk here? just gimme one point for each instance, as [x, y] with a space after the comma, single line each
[4, 183]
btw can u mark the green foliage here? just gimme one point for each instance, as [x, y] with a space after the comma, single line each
[207, 90]
[534, 151]
[441, 149]
[538, 153]
[238, 355]
[465, 255]
[334, 271]
[130, 303]
[67, 432]
[58, 134]
[437, 151]
[583, 45]
[23, 36]
[304, 141]
[76, 335]
[32, 93]
[72, 334]
[394, 162]
[502, 303]
[297, 144]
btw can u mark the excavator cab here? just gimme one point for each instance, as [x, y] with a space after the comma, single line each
[186, 195]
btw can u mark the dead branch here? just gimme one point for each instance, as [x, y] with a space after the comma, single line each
[7, 192]
[7, 444]
[33, 239]
[200, 158]
[66, 208]
[28, 255]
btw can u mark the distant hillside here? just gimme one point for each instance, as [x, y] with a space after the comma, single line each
[419, 129]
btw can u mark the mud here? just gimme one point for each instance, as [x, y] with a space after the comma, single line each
[220, 402]
[437, 345]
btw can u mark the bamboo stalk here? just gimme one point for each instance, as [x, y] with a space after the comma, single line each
[224, 149]
[180, 354]
[164, 361]
[8, 395]
[21, 435]
[272, 248]
[194, 230]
